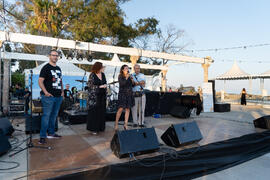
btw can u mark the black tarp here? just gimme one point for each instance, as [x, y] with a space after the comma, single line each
[185, 164]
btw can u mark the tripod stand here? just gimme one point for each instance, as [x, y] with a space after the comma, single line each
[29, 139]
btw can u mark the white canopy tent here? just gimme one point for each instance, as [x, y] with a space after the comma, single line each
[70, 73]
[236, 73]
[69, 69]
[262, 76]
[265, 75]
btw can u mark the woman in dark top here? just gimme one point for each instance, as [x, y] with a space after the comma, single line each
[125, 96]
[96, 99]
[243, 97]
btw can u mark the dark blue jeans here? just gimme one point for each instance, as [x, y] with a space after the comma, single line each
[50, 107]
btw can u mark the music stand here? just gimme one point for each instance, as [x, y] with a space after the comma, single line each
[30, 142]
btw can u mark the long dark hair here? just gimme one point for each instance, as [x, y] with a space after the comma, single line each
[121, 74]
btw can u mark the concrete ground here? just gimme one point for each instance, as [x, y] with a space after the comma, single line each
[257, 168]
[214, 127]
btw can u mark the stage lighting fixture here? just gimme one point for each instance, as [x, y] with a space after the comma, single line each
[60, 53]
[70, 55]
[80, 56]
[89, 57]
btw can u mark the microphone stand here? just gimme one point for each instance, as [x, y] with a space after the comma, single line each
[114, 95]
[114, 72]
[83, 80]
[30, 142]
[141, 110]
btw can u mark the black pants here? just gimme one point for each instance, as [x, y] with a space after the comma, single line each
[26, 106]
[96, 115]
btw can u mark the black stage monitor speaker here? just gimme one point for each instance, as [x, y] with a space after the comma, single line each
[222, 107]
[181, 111]
[262, 122]
[4, 144]
[74, 117]
[6, 127]
[36, 124]
[181, 134]
[137, 141]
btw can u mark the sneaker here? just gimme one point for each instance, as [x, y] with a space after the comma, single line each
[135, 125]
[42, 141]
[142, 126]
[50, 136]
[66, 122]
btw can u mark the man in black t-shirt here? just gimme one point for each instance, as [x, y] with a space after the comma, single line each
[67, 93]
[67, 102]
[50, 82]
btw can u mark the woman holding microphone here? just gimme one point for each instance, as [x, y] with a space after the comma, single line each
[125, 96]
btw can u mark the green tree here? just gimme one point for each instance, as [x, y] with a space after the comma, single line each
[102, 21]
[17, 78]
[98, 21]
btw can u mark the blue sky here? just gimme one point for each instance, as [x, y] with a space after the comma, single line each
[213, 24]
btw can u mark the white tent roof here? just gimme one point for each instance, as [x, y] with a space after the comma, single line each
[266, 74]
[234, 73]
[115, 58]
[68, 68]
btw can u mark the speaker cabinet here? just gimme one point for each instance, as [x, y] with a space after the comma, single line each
[181, 111]
[35, 125]
[137, 141]
[222, 107]
[6, 127]
[74, 117]
[262, 122]
[182, 134]
[4, 144]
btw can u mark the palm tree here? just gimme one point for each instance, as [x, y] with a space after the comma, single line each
[45, 17]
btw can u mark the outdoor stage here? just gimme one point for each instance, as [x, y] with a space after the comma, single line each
[78, 150]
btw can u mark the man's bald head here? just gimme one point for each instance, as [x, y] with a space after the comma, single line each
[137, 68]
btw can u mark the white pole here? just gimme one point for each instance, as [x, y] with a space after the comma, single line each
[250, 86]
[261, 84]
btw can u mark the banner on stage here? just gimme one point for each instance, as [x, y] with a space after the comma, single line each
[208, 104]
